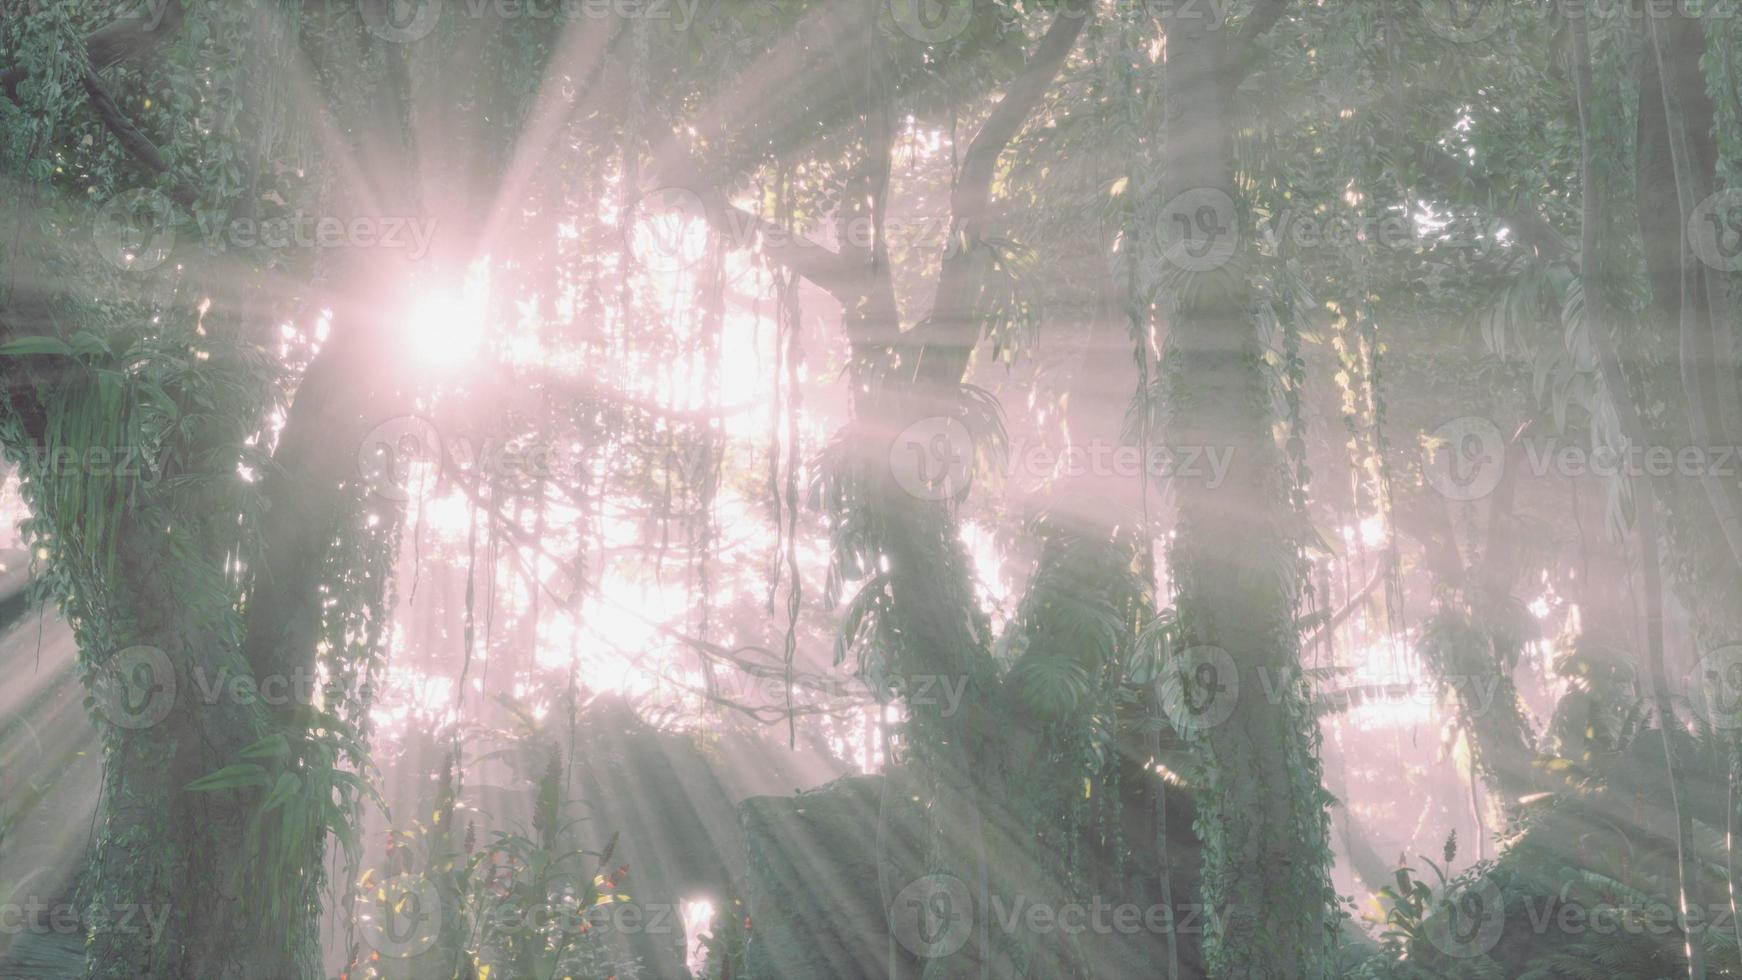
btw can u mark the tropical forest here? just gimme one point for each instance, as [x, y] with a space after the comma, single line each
[870, 489]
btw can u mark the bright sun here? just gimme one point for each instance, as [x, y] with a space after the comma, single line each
[445, 325]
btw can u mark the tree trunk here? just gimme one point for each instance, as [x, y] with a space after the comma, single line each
[1264, 818]
[1602, 310]
[166, 854]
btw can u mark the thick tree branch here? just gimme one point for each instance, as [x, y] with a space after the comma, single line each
[838, 274]
[124, 39]
[136, 143]
[792, 65]
[106, 47]
[1244, 55]
[973, 189]
[674, 166]
[1259, 22]
[949, 334]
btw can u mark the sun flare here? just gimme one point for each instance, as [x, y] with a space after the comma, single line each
[445, 325]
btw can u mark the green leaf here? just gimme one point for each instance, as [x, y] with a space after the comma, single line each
[36, 345]
[230, 777]
[287, 787]
[88, 344]
[1053, 685]
[272, 746]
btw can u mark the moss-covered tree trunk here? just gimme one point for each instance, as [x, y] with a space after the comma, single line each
[175, 873]
[1263, 819]
[172, 872]
[197, 641]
